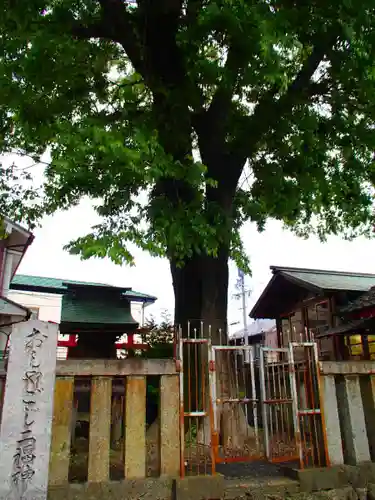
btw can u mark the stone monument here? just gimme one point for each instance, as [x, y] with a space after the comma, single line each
[25, 433]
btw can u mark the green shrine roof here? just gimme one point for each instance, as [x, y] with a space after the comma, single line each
[103, 309]
[60, 286]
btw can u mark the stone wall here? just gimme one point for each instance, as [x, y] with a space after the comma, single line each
[348, 399]
[120, 386]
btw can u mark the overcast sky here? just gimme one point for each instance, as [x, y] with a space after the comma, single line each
[46, 257]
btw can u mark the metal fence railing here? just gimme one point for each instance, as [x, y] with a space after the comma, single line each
[256, 408]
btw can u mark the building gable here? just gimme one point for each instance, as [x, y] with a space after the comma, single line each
[288, 286]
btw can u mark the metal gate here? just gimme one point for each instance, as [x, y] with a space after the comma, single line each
[278, 396]
[308, 416]
[240, 404]
[266, 405]
[235, 399]
[192, 355]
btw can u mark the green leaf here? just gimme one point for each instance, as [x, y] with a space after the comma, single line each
[126, 109]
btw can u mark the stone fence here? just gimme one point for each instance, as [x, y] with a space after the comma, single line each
[116, 395]
[348, 397]
[116, 386]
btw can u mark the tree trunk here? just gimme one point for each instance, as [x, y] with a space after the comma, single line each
[201, 292]
[201, 295]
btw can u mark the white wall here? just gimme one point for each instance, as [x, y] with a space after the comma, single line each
[49, 304]
[136, 310]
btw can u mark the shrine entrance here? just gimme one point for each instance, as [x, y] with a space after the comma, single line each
[262, 406]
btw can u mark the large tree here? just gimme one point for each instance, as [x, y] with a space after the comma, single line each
[155, 108]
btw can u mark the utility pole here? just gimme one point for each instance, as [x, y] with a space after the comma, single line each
[243, 294]
[243, 298]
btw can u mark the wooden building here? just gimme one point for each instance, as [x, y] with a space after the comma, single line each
[354, 337]
[310, 304]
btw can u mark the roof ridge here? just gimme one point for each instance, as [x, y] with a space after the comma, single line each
[60, 284]
[319, 271]
[63, 280]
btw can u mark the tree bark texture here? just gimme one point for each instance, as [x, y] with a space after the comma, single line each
[201, 296]
[201, 292]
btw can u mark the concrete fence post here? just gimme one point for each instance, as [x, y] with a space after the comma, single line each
[61, 431]
[368, 399]
[100, 429]
[135, 427]
[169, 426]
[352, 420]
[331, 417]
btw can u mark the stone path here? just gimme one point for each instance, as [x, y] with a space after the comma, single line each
[256, 469]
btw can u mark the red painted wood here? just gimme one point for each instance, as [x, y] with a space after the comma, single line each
[127, 345]
[72, 342]
[364, 313]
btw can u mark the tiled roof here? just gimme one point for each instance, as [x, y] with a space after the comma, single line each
[329, 280]
[105, 309]
[283, 290]
[365, 300]
[56, 285]
[255, 328]
[347, 327]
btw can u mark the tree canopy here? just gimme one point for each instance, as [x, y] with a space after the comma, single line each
[157, 109]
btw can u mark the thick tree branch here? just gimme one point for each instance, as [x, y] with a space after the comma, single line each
[254, 128]
[171, 86]
[149, 37]
[164, 60]
[211, 125]
[163, 7]
[92, 30]
[269, 109]
[117, 24]
[192, 10]
[222, 99]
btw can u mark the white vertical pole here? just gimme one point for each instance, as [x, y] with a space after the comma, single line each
[263, 396]
[255, 402]
[244, 316]
[182, 406]
[143, 314]
[295, 406]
